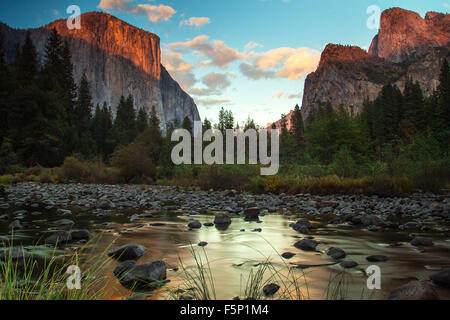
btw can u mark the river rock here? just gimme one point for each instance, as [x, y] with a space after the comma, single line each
[414, 290]
[195, 225]
[422, 242]
[222, 219]
[59, 238]
[145, 276]
[306, 245]
[202, 244]
[348, 264]
[15, 225]
[131, 251]
[377, 258]
[271, 289]
[80, 234]
[441, 278]
[252, 214]
[336, 253]
[16, 253]
[63, 223]
[122, 268]
[288, 255]
[302, 226]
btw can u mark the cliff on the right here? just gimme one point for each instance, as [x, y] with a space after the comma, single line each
[406, 46]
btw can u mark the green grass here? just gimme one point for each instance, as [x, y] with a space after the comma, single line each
[45, 278]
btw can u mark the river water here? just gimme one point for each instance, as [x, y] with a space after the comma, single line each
[239, 250]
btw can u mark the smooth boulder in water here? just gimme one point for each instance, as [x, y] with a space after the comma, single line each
[195, 225]
[306, 245]
[122, 268]
[336, 253]
[222, 219]
[131, 251]
[59, 238]
[302, 226]
[252, 214]
[145, 276]
[80, 234]
[441, 278]
[271, 289]
[377, 258]
[414, 290]
[422, 242]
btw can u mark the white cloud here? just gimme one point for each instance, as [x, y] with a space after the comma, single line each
[195, 22]
[221, 56]
[282, 62]
[215, 84]
[154, 13]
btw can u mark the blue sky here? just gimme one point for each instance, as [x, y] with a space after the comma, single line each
[250, 56]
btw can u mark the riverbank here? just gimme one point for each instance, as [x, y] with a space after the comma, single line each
[322, 236]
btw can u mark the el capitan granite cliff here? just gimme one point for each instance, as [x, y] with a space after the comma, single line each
[119, 59]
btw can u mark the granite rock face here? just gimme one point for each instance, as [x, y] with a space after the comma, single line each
[407, 46]
[119, 59]
[405, 33]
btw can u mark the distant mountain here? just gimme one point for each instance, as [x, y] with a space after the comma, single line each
[406, 46]
[119, 59]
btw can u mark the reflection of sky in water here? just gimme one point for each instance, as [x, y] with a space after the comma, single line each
[228, 248]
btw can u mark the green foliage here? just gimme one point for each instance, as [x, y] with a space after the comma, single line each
[134, 162]
[343, 164]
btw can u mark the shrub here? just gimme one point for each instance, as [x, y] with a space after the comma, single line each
[221, 177]
[74, 169]
[134, 163]
[343, 164]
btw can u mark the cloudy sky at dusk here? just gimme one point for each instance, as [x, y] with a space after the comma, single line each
[250, 56]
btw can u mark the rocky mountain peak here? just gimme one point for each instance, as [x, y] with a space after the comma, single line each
[336, 53]
[405, 33]
[116, 37]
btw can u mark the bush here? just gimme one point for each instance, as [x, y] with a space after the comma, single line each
[222, 177]
[134, 163]
[343, 164]
[74, 169]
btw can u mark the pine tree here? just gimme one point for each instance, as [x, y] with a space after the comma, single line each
[142, 120]
[125, 123]
[83, 117]
[187, 124]
[27, 63]
[298, 131]
[413, 105]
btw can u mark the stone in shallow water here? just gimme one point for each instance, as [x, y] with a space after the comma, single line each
[202, 244]
[63, 223]
[336, 253]
[414, 290]
[81, 234]
[306, 245]
[145, 276]
[348, 264]
[131, 251]
[271, 289]
[16, 253]
[288, 255]
[122, 268]
[377, 258]
[252, 214]
[195, 225]
[59, 238]
[222, 218]
[15, 225]
[441, 278]
[422, 242]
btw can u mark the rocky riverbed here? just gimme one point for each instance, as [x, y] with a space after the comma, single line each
[408, 235]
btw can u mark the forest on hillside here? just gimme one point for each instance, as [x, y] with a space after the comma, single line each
[50, 131]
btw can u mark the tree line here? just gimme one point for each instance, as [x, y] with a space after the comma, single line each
[45, 116]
